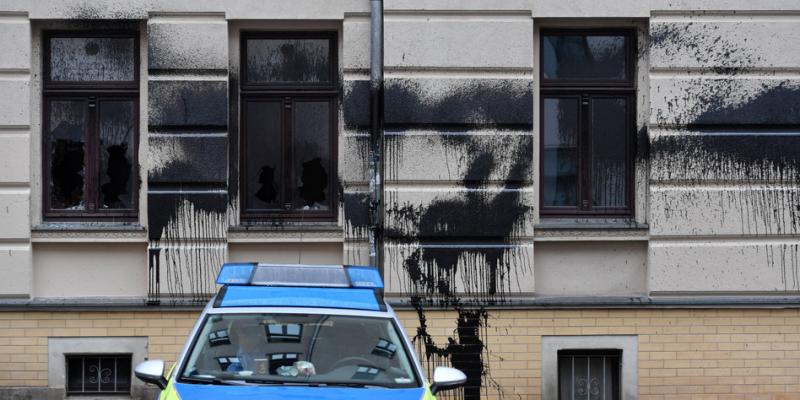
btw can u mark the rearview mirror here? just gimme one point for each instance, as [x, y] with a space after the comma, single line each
[445, 378]
[152, 372]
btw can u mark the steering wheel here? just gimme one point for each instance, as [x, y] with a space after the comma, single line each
[350, 360]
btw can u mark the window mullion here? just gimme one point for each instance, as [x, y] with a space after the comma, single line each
[585, 144]
[288, 159]
[92, 145]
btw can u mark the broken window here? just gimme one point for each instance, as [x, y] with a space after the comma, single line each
[90, 124]
[288, 143]
[587, 122]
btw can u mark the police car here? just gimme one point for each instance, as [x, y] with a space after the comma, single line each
[297, 332]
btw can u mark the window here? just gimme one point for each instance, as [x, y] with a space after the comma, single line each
[289, 126]
[219, 338]
[90, 125]
[98, 374]
[587, 122]
[589, 375]
[284, 333]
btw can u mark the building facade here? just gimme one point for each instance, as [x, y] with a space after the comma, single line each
[586, 199]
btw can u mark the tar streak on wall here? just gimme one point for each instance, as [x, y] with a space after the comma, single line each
[457, 250]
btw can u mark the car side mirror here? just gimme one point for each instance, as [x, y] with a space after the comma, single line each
[445, 378]
[152, 372]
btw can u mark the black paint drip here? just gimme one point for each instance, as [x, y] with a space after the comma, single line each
[488, 221]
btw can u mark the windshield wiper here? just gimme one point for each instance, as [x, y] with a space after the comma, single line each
[352, 384]
[312, 384]
[216, 381]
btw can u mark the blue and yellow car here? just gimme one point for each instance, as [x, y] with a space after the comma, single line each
[297, 332]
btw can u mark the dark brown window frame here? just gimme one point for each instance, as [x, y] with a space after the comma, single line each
[584, 90]
[91, 91]
[590, 353]
[288, 93]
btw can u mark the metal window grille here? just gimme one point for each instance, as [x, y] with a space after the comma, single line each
[589, 374]
[98, 374]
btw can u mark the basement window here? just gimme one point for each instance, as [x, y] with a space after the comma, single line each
[589, 374]
[289, 126]
[587, 119]
[90, 125]
[98, 374]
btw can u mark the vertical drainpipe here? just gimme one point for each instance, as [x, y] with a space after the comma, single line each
[376, 163]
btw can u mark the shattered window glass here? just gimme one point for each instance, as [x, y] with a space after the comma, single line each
[287, 60]
[67, 136]
[311, 137]
[83, 59]
[91, 129]
[289, 122]
[116, 134]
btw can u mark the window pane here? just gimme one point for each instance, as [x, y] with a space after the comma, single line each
[106, 374]
[67, 136]
[74, 374]
[608, 132]
[92, 374]
[565, 377]
[596, 378]
[584, 57]
[77, 59]
[560, 152]
[311, 147]
[580, 381]
[288, 60]
[263, 154]
[116, 132]
[123, 374]
[612, 378]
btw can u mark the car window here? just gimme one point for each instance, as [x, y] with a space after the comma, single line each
[299, 348]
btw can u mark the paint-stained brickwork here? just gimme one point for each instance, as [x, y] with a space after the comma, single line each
[683, 354]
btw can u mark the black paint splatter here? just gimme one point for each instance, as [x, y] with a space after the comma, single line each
[491, 219]
[727, 129]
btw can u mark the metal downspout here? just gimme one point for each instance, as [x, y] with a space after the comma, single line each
[376, 163]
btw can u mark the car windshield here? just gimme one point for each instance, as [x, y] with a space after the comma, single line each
[308, 349]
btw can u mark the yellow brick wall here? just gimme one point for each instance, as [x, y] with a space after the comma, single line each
[683, 354]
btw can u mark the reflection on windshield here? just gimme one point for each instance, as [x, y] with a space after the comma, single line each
[299, 349]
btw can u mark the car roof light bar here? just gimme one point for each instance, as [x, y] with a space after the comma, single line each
[298, 275]
[236, 273]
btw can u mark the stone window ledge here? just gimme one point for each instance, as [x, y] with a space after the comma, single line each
[590, 229]
[88, 232]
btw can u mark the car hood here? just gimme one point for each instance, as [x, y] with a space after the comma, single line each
[213, 392]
